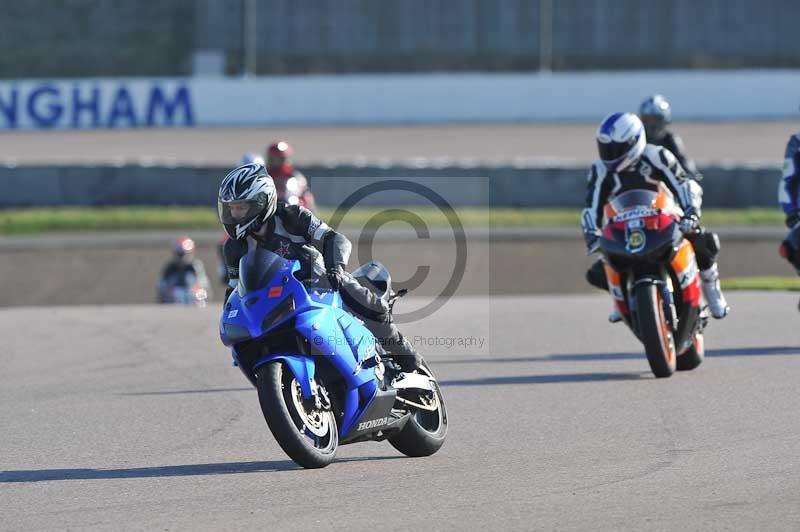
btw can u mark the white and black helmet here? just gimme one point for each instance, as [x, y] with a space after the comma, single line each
[250, 193]
[620, 140]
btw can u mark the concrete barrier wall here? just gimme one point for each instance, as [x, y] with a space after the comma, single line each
[524, 186]
[389, 99]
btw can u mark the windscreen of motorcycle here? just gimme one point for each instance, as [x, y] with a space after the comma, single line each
[258, 268]
[634, 198]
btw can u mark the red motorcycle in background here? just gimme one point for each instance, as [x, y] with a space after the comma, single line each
[291, 185]
[654, 279]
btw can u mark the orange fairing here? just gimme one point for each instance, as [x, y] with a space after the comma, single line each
[684, 264]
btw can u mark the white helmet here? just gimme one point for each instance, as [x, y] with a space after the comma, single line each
[620, 140]
[252, 158]
[247, 198]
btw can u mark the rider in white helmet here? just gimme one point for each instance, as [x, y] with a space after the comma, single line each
[628, 162]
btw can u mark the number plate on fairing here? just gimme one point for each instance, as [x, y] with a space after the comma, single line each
[637, 212]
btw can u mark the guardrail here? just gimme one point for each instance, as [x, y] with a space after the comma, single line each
[506, 185]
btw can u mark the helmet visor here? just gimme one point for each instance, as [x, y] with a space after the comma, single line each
[241, 212]
[275, 160]
[653, 123]
[611, 152]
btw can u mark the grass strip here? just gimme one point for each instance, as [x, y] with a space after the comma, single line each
[762, 283]
[44, 220]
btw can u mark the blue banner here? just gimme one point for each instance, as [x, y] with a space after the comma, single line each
[95, 104]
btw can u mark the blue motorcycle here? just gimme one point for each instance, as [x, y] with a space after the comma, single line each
[323, 379]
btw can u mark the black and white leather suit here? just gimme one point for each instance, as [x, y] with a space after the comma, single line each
[656, 165]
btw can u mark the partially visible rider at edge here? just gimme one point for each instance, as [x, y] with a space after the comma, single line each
[253, 217]
[183, 267]
[656, 115]
[789, 198]
[281, 168]
[628, 162]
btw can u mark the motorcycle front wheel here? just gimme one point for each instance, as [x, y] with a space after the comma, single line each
[306, 432]
[654, 330]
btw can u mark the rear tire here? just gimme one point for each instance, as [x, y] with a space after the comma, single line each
[692, 357]
[654, 331]
[309, 436]
[425, 431]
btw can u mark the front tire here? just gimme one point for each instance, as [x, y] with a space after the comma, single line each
[425, 431]
[307, 434]
[654, 331]
[693, 356]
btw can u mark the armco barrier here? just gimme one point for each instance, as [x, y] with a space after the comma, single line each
[524, 186]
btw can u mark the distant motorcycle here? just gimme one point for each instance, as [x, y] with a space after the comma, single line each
[653, 275]
[186, 291]
[294, 190]
[321, 376]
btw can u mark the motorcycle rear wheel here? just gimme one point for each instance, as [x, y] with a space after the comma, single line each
[692, 357]
[425, 431]
[308, 435]
[654, 331]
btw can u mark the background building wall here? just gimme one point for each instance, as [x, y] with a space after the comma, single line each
[79, 38]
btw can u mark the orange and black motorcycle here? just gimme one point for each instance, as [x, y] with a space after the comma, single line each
[654, 279]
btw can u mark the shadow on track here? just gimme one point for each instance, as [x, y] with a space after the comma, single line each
[547, 379]
[231, 468]
[587, 357]
[180, 392]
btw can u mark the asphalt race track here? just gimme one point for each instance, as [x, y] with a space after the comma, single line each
[469, 143]
[132, 418]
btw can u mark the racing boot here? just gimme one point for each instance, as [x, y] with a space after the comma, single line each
[615, 316]
[713, 293]
[401, 351]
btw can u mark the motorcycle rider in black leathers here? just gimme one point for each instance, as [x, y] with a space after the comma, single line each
[252, 216]
[656, 115]
[628, 162]
[182, 270]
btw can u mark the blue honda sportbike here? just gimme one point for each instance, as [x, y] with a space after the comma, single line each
[323, 379]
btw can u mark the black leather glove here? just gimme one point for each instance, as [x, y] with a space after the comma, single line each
[335, 275]
[792, 219]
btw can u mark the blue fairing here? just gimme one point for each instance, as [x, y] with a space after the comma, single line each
[331, 332]
[302, 368]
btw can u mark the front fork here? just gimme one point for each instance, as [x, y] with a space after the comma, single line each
[668, 302]
[626, 303]
[665, 287]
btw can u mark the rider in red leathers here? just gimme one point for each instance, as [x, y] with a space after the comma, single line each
[291, 184]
